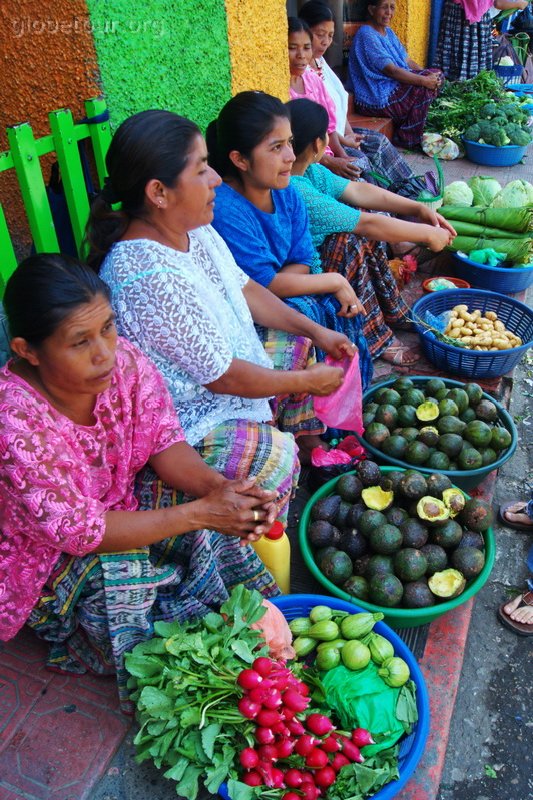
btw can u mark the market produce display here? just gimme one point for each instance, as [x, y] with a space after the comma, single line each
[398, 540]
[217, 708]
[501, 124]
[479, 331]
[435, 426]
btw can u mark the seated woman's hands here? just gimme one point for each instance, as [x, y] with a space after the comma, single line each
[341, 166]
[336, 345]
[321, 379]
[433, 81]
[350, 305]
[353, 140]
[430, 217]
[239, 508]
[438, 239]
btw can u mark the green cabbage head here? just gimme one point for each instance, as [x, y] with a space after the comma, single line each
[484, 189]
[516, 194]
[458, 193]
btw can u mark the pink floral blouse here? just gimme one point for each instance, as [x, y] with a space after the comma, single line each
[58, 479]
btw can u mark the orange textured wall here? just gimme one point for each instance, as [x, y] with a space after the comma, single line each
[48, 61]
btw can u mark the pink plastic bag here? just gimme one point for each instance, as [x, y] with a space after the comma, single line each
[343, 409]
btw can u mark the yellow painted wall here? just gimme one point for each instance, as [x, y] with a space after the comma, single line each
[257, 34]
[411, 23]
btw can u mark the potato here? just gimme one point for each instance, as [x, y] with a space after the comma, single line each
[476, 314]
[499, 326]
[467, 340]
[460, 308]
[454, 333]
[501, 344]
[486, 326]
[491, 315]
[458, 323]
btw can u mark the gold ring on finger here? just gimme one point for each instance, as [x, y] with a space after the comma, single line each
[256, 516]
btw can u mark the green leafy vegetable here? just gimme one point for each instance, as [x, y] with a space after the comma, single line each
[519, 251]
[484, 189]
[516, 220]
[458, 193]
[459, 103]
[358, 781]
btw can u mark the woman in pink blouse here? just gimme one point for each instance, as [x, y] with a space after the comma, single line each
[81, 412]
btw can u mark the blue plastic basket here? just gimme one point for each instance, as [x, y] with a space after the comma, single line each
[507, 73]
[507, 280]
[516, 316]
[490, 156]
[412, 746]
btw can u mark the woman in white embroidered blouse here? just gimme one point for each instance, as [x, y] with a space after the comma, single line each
[181, 298]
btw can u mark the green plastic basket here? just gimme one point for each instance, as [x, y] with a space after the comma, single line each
[465, 479]
[395, 617]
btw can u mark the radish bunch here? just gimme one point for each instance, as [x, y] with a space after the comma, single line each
[293, 751]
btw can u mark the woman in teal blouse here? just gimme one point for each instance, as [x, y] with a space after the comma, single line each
[351, 241]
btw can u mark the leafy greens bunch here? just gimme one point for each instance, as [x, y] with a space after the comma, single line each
[460, 102]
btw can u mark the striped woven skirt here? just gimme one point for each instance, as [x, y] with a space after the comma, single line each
[463, 49]
[364, 265]
[377, 154]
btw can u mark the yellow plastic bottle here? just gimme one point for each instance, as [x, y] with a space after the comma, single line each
[274, 550]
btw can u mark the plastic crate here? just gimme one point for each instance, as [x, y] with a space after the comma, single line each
[490, 156]
[412, 746]
[511, 74]
[507, 280]
[516, 316]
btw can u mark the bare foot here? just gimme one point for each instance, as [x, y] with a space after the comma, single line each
[522, 614]
[516, 513]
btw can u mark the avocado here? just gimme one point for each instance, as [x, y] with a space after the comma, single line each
[474, 393]
[434, 385]
[413, 397]
[369, 473]
[440, 394]
[469, 458]
[395, 476]
[500, 439]
[472, 539]
[387, 415]
[488, 456]
[411, 434]
[447, 584]
[354, 515]
[447, 408]
[379, 393]
[323, 534]
[486, 411]
[437, 484]
[376, 433]
[337, 567]
[407, 416]
[451, 444]
[453, 466]
[369, 520]
[436, 557]
[371, 408]
[450, 425]
[426, 412]
[402, 384]
[417, 594]
[447, 534]
[394, 446]
[478, 433]
[368, 418]
[391, 397]
[342, 514]
[386, 539]
[468, 415]
[438, 460]
[396, 516]
[385, 482]
[357, 586]
[476, 515]
[326, 508]
[385, 590]
[379, 565]
[429, 435]
[416, 453]
[459, 397]
[375, 498]
[353, 543]
[468, 560]
[413, 485]
[433, 400]
[414, 533]
[360, 565]
[409, 564]
[349, 487]
[455, 500]
[432, 510]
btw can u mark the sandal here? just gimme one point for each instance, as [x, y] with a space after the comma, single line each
[400, 355]
[521, 628]
[518, 526]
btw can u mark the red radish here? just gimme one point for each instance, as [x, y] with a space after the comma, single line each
[296, 727]
[263, 666]
[249, 758]
[281, 730]
[309, 791]
[258, 694]
[285, 747]
[305, 744]
[316, 759]
[252, 779]
[293, 778]
[265, 768]
[248, 708]
[325, 777]
[302, 688]
[249, 679]
[339, 761]
[350, 750]
[319, 724]
[293, 700]
[361, 737]
[265, 735]
[268, 717]
[291, 796]
[277, 778]
[287, 713]
[267, 752]
[273, 699]
[331, 744]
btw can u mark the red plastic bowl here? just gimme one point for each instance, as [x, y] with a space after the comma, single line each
[459, 283]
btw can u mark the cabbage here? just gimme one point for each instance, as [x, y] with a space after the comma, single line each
[516, 194]
[506, 61]
[484, 189]
[458, 193]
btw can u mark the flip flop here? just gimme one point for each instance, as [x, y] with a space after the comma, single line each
[518, 526]
[521, 628]
[398, 355]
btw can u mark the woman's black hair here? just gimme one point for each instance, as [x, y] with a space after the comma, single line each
[314, 12]
[44, 290]
[309, 122]
[242, 124]
[297, 25]
[148, 145]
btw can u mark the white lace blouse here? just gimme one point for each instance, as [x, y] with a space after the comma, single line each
[187, 312]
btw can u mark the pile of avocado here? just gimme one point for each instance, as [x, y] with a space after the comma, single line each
[436, 427]
[398, 538]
